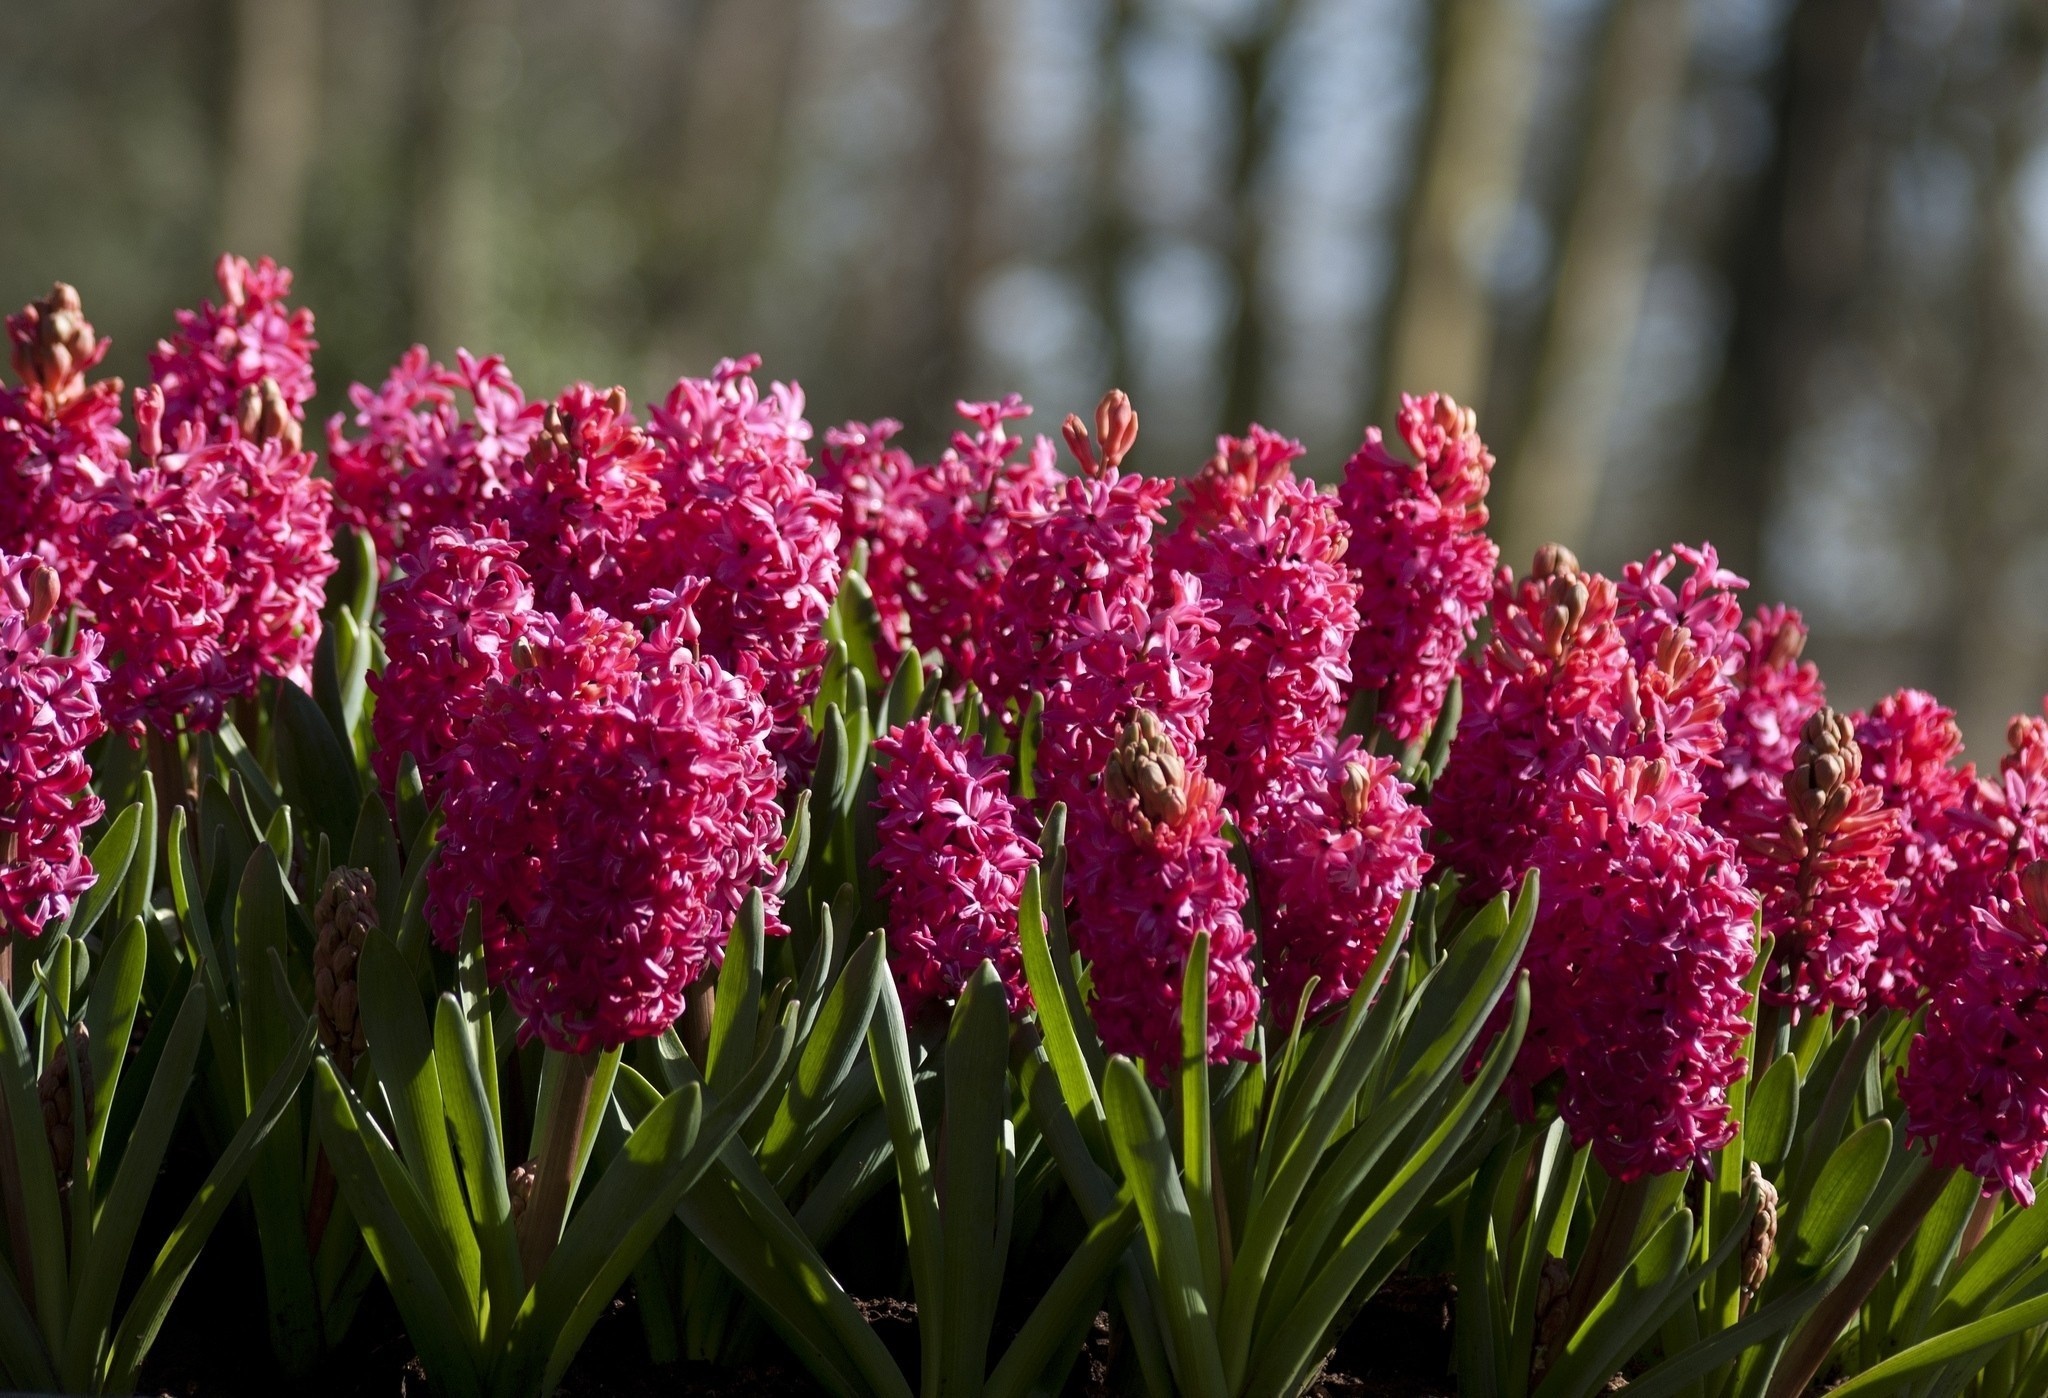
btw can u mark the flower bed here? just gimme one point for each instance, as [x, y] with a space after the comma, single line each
[559, 894]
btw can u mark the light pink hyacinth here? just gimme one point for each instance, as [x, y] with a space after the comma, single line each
[1636, 969]
[219, 352]
[954, 856]
[1424, 564]
[1975, 1084]
[1335, 847]
[418, 462]
[609, 810]
[49, 715]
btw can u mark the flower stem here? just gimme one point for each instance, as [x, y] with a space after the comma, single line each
[1607, 1250]
[1816, 1338]
[555, 1172]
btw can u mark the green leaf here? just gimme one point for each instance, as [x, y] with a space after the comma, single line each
[1943, 1349]
[374, 847]
[1198, 1165]
[1481, 1329]
[860, 626]
[1055, 1015]
[110, 1022]
[145, 1314]
[34, 1176]
[24, 1359]
[1631, 1306]
[105, 1257]
[1773, 1113]
[734, 1019]
[2012, 1244]
[829, 1053]
[1052, 1331]
[1922, 1266]
[905, 694]
[977, 1108]
[1840, 1194]
[474, 1125]
[1138, 1133]
[923, 1229]
[110, 860]
[398, 1231]
[1676, 1374]
[315, 766]
[141, 881]
[412, 801]
[402, 1057]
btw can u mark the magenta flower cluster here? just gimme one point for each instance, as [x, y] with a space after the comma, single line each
[49, 715]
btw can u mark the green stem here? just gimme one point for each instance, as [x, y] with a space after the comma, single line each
[1607, 1250]
[555, 1171]
[1981, 1215]
[1816, 1338]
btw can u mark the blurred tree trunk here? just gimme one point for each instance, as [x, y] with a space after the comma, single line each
[468, 65]
[1440, 332]
[1108, 242]
[1796, 269]
[963, 65]
[273, 113]
[1553, 479]
[737, 96]
[1993, 463]
[1250, 57]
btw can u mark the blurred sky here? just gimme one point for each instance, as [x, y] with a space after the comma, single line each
[1769, 270]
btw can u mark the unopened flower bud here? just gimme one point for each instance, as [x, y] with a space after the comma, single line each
[149, 422]
[2034, 888]
[1786, 646]
[264, 416]
[342, 922]
[1565, 606]
[1762, 1239]
[1355, 791]
[519, 1184]
[43, 592]
[1554, 560]
[53, 343]
[616, 401]
[1826, 766]
[1116, 427]
[524, 656]
[1076, 433]
[1146, 771]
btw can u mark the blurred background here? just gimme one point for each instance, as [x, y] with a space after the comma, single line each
[1770, 272]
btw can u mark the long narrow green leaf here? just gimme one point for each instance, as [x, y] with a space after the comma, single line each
[1630, 1306]
[1196, 1155]
[1481, 1330]
[475, 1128]
[735, 1017]
[977, 1104]
[1842, 1191]
[1066, 1307]
[315, 766]
[35, 1176]
[374, 847]
[398, 1233]
[1055, 1019]
[1930, 1355]
[1138, 1133]
[1773, 1113]
[829, 1053]
[402, 1057]
[110, 860]
[24, 1360]
[924, 1231]
[109, 1023]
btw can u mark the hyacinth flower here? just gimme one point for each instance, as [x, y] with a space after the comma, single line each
[577, 500]
[1910, 744]
[417, 462]
[1553, 672]
[49, 715]
[1268, 551]
[451, 618]
[1335, 847]
[1818, 858]
[741, 510]
[1091, 543]
[980, 493]
[60, 433]
[219, 353]
[209, 565]
[882, 496]
[1424, 563]
[1775, 693]
[1149, 870]
[954, 856]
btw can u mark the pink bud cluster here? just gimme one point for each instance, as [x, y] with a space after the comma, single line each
[419, 463]
[1975, 1084]
[954, 856]
[49, 715]
[1424, 563]
[1775, 693]
[1636, 969]
[1335, 847]
[1268, 551]
[609, 809]
[1148, 869]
